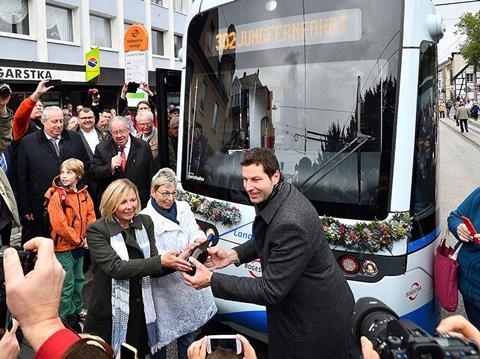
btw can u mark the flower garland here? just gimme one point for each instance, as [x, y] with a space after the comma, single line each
[373, 236]
[213, 210]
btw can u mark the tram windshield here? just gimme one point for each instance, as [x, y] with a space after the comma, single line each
[315, 81]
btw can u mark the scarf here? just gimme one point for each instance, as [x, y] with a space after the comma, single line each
[170, 214]
[121, 291]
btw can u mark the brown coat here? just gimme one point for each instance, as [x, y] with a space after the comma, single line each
[69, 217]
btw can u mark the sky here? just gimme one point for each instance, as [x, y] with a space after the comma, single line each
[451, 15]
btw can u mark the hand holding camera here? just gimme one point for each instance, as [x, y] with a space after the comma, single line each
[5, 94]
[33, 299]
[237, 344]
[42, 88]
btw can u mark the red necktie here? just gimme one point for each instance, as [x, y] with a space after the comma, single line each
[124, 160]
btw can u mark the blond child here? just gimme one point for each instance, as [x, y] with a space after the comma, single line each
[70, 210]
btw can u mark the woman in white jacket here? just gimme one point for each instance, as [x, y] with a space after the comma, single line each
[180, 309]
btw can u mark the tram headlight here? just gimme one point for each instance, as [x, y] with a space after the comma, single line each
[349, 264]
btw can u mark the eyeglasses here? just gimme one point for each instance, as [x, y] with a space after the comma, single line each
[167, 194]
[87, 118]
[119, 132]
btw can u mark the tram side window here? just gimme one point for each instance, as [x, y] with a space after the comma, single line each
[425, 153]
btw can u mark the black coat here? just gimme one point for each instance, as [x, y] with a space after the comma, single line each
[138, 168]
[37, 164]
[308, 300]
[107, 265]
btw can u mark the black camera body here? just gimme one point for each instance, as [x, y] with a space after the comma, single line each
[395, 338]
[27, 260]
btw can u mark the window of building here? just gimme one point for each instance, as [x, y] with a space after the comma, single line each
[163, 3]
[14, 17]
[157, 43]
[469, 77]
[215, 117]
[181, 6]
[100, 31]
[203, 95]
[178, 44]
[59, 23]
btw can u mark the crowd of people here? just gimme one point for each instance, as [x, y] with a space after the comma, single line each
[93, 185]
[463, 109]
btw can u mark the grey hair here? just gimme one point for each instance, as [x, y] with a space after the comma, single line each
[47, 110]
[146, 114]
[165, 176]
[174, 121]
[123, 119]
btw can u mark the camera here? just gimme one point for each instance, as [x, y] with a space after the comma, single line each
[395, 338]
[228, 342]
[93, 91]
[54, 83]
[27, 260]
[5, 90]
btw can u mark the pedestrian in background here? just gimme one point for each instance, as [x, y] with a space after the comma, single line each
[70, 210]
[441, 109]
[462, 116]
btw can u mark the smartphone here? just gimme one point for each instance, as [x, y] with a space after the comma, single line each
[132, 87]
[470, 227]
[228, 341]
[128, 352]
[55, 83]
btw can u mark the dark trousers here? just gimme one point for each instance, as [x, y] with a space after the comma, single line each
[33, 228]
[5, 234]
[472, 308]
[463, 125]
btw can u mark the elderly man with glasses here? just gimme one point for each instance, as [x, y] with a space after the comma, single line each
[122, 156]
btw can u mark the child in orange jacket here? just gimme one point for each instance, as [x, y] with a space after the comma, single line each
[70, 209]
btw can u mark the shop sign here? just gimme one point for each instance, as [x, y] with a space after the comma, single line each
[30, 74]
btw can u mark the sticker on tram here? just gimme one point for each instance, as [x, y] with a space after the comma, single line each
[413, 292]
[254, 268]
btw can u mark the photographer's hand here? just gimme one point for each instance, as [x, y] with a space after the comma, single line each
[202, 276]
[33, 299]
[41, 89]
[9, 348]
[459, 326]
[198, 349]
[367, 349]
[248, 351]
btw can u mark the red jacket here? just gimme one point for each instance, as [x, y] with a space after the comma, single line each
[69, 216]
[57, 344]
[21, 119]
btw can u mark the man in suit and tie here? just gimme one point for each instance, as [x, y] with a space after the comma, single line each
[38, 159]
[122, 156]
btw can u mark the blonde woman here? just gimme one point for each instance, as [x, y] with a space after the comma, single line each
[124, 256]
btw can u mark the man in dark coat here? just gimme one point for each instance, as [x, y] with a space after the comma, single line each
[38, 161]
[122, 156]
[308, 301]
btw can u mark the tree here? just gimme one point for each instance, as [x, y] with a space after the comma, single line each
[469, 25]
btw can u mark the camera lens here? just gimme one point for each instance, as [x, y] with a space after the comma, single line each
[370, 318]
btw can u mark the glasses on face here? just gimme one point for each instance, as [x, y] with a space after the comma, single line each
[87, 118]
[166, 194]
[119, 132]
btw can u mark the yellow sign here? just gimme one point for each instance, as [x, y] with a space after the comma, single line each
[92, 64]
[316, 28]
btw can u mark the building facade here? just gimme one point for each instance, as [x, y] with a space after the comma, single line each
[49, 39]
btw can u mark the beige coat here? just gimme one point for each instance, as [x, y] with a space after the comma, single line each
[7, 194]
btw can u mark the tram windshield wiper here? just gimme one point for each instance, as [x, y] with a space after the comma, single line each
[356, 143]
